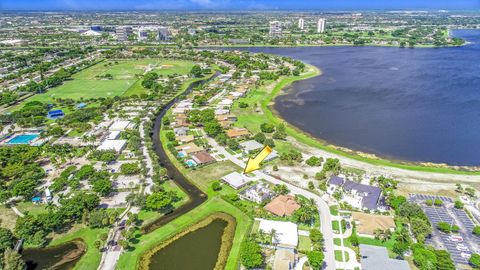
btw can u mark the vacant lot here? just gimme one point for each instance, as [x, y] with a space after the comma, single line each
[126, 77]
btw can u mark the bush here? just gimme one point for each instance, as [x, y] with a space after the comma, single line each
[476, 230]
[438, 202]
[129, 168]
[313, 161]
[216, 186]
[458, 205]
[251, 254]
[267, 128]
[242, 104]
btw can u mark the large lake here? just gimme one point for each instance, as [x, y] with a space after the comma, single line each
[404, 104]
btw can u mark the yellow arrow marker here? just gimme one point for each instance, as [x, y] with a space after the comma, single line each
[254, 163]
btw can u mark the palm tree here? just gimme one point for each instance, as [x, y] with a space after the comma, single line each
[273, 236]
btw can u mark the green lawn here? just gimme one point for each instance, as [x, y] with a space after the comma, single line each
[304, 243]
[31, 208]
[126, 79]
[338, 255]
[91, 259]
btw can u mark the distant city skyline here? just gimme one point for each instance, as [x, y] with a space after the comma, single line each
[238, 5]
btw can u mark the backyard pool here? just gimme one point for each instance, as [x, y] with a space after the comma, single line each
[191, 163]
[23, 138]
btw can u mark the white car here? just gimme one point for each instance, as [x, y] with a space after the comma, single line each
[465, 255]
[462, 248]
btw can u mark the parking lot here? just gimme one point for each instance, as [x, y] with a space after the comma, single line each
[467, 244]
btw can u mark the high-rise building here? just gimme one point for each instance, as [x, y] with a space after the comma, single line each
[321, 25]
[301, 23]
[163, 34]
[275, 29]
[142, 35]
[123, 32]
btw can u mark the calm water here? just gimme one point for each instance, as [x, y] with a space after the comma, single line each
[62, 257]
[407, 104]
[197, 250]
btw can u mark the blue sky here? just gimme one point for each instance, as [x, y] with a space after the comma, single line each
[236, 4]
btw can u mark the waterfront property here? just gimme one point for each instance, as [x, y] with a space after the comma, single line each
[357, 195]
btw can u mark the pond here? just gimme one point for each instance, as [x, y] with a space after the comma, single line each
[196, 250]
[61, 257]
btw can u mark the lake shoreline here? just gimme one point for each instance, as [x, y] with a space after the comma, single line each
[313, 141]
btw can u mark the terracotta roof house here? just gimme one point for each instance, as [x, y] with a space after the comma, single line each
[203, 157]
[189, 148]
[238, 133]
[185, 138]
[225, 124]
[283, 205]
[181, 123]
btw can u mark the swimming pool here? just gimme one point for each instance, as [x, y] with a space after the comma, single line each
[23, 138]
[191, 163]
[182, 154]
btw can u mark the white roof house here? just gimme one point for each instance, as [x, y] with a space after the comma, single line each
[250, 145]
[236, 180]
[225, 102]
[91, 33]
[286, 232]
[113, 135]
[116, 145]
[120, 125]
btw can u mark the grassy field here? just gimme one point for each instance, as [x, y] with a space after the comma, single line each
[91, 259]
[338, 255]
[31, 208]
[7, 217]
[263, 96]
[126, 79]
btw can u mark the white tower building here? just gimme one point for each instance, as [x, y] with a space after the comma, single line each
[301, 23]
[321, 25]
[275, 29]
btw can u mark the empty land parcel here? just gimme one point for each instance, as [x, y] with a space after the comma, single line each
[94, 82]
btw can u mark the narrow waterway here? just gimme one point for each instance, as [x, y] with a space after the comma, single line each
[196, 196]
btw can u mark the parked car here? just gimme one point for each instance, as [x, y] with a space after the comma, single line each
[456, 238]
[462, 248]
[466, 255]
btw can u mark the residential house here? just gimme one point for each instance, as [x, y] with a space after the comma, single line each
[181, 131]
[257, 193]
[203, 158]
[189, 148]
[238, 133]
[375, 257]
[250, 145]
[283, 205]
[236, 180]
[286, 232]
[285, 259]
[185, 138]
[356, 194]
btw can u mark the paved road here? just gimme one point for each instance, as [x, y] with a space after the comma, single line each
[324, 210]
[148, 160]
